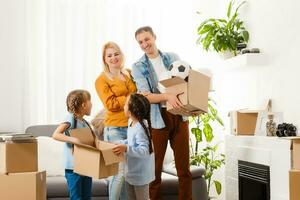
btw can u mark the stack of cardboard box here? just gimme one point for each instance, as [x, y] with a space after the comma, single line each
[294, 174]
[19, 176]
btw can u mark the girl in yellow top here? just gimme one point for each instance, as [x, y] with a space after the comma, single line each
[113, 86]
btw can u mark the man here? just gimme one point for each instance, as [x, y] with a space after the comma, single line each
[147, 71]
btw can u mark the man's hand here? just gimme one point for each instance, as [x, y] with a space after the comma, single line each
[173, 100]
[119, 149]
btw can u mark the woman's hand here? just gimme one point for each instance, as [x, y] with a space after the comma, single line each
[119, 149]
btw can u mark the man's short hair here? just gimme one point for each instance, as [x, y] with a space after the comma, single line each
[144, 29]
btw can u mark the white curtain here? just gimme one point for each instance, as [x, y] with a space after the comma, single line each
[64, 40]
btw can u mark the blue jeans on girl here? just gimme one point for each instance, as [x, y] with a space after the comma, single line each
[80, 187]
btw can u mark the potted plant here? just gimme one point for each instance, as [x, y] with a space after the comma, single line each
[208, 156]
[223, 35]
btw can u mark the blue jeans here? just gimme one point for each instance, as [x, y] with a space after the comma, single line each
[80, 187]
[116, 183]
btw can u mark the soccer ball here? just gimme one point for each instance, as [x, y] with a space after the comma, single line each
[180, 68]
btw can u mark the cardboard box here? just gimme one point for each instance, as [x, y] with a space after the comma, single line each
[98, 160]
[18, 156]
[294, 184]
[27, 186]
[195, 93]
[295, 152]
[243, 122]
[84, 135]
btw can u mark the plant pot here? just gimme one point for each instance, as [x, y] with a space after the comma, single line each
[226, 54]
[212, 198]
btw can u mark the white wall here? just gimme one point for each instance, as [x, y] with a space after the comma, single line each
[275, 30]
[12, 57]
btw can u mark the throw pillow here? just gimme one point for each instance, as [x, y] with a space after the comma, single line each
[50, 156]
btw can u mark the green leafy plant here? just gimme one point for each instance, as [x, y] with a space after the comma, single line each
[223, 34]
[208, 157]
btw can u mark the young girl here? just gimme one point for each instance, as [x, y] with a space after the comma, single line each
[78, 105]
[138, 148]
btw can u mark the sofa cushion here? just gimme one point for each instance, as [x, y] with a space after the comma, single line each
[196, 171]
[100, 187]
[169, 184]
[50, 156]
[57, 187]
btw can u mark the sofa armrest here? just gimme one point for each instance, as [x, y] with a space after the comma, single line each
[196, 171]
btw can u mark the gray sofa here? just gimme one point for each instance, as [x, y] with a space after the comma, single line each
[57, 187]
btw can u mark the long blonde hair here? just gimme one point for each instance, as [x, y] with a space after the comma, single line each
[106, 70]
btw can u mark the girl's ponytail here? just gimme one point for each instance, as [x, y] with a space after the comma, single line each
[139, 106]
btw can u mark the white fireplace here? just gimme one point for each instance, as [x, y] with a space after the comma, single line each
[269, 151]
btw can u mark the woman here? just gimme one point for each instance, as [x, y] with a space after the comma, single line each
[113, 86]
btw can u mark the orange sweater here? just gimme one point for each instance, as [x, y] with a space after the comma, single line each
[113, 94]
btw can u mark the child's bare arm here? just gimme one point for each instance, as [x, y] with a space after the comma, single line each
[60, 136]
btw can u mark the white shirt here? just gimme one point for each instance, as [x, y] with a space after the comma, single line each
[161, 72]
[159, 68]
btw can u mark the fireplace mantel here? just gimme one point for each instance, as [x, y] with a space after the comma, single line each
[270, 151]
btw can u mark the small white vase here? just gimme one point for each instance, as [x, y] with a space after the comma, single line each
[226, 54]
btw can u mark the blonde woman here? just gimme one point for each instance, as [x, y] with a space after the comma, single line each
[113, 85]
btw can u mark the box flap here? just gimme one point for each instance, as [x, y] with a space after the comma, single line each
[87, 146]
[295, 154]
[266, 106]
[233, 122]
[172, 81]
[108, 155]
[84, 135]
[170, 85]
[249, 111]
[198, 88]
